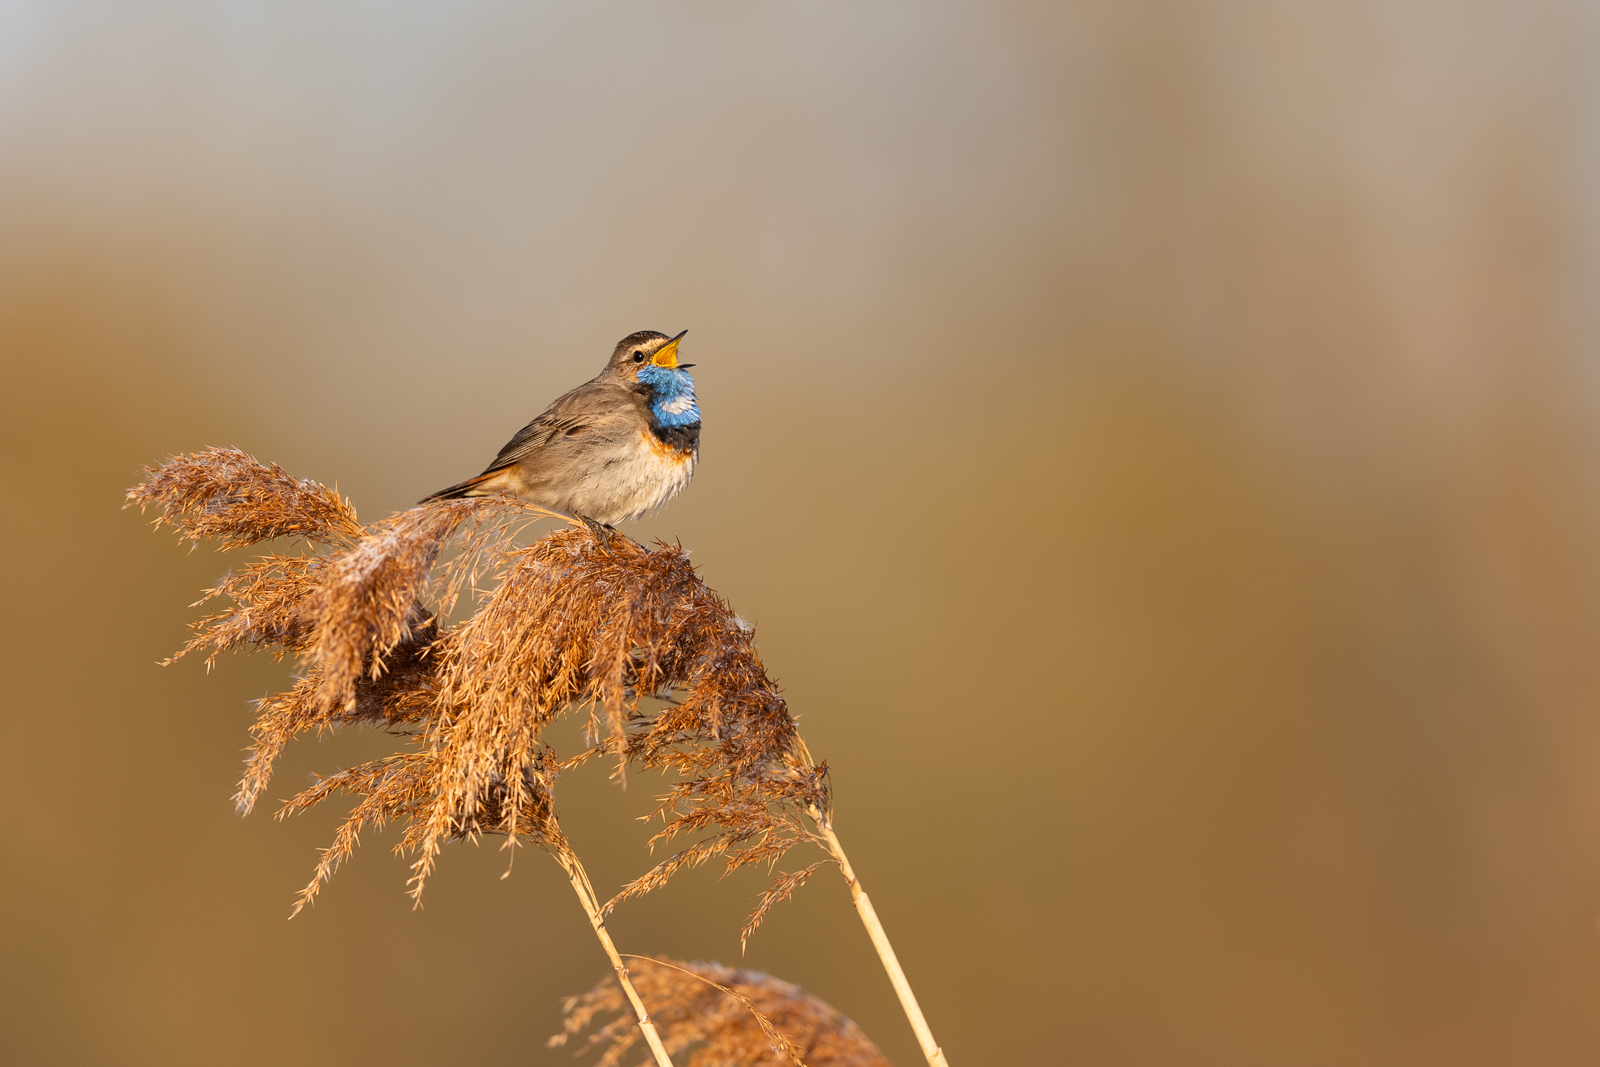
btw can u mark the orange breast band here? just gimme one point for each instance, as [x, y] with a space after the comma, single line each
[664, 451]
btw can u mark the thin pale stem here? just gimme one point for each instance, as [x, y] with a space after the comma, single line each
[591, 907]
[880, 941]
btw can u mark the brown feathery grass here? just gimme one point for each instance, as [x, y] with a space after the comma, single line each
[720, 1017]
[570, 622]
[233, 498]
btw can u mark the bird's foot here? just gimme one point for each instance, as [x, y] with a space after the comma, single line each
[602, 532]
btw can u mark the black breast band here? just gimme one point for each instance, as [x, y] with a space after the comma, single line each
[682, 438]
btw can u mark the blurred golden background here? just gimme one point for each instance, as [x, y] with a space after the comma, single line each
[1157, 444]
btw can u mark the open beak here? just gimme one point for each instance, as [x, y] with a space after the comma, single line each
[667, 354]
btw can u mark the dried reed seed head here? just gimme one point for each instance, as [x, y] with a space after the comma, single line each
[404, 695]
[715, 1028]
[570, 622]
[745, 773]
[575, 623]
[368, 600]
[230, 496]
[406, 788]
[271, 609]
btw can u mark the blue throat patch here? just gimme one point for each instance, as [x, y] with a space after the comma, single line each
[673, 403]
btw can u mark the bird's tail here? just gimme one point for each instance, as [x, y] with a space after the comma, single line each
[470, 487]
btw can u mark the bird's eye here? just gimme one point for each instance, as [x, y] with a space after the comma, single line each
[638, 357]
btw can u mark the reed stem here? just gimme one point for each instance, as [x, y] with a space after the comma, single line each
[591, 907]
[880, 941]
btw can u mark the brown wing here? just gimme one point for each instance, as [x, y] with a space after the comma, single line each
[536, 436]
[594, 407]
[586, 408]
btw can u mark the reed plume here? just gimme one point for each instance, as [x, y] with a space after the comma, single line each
[668, 673]
[719, 1017]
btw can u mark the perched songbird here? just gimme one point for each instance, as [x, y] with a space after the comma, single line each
[614, 448]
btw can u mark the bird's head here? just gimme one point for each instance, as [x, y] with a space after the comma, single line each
[650, 359]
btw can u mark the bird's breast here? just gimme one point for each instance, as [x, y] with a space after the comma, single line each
[635, 475]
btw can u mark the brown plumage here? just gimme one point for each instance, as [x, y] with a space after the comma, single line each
[620, 445]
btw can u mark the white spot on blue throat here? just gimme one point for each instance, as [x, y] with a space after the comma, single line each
[673, 403]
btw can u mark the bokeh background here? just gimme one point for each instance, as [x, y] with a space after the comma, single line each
[1157, 443]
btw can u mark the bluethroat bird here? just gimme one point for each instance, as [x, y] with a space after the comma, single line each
[614, 448]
